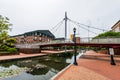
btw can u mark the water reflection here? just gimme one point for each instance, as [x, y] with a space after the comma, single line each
[39, 68]
[38, 71]
[71, 60]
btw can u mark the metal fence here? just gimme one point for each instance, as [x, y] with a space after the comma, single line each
[82, 40]
[100, 40]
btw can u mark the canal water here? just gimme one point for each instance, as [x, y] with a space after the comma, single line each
[38, 68]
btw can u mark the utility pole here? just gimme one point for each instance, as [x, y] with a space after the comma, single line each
[65, 28]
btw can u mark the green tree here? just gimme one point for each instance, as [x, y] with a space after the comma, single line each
[4, 28]
[108, 34]
[11, 41]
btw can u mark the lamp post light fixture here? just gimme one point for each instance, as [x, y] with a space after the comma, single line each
[74, 39]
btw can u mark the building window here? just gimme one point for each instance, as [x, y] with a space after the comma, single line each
[35, 38]
[36, 33]
[48, 40]
[40, 34]
[40, 38]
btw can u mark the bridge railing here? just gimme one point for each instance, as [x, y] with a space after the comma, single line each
[55, 42]
[36, 45]
[82, 40]
[26, 46]
[100, 40]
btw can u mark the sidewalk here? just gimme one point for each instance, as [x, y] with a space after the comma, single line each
[22, 55]
[92, 66]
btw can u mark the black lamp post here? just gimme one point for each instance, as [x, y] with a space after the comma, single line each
[74, 39]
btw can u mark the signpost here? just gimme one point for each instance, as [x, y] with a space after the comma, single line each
[111, 51]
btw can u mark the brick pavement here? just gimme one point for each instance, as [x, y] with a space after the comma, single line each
[20, 56]
[23, 55]
[92, 66]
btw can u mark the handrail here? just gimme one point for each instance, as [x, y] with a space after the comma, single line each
[82, 40]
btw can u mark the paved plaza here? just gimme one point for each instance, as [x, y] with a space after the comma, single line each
[92, 66]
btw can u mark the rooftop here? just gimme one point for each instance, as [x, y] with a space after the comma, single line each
[115, 24]
[46, 32]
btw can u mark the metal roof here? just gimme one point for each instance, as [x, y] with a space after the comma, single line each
[46, 32]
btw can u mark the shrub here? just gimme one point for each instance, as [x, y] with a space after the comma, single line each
[11, 41]
[12, 50]
[5, 47]
[108, 34]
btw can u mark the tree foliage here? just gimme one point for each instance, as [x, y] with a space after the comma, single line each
[11, 41]
[108, 34]
[4, 28]
[5, 41]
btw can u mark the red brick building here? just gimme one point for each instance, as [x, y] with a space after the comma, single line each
[116, 27]
[35, 37]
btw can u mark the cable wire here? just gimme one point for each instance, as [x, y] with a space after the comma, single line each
[87, 25]
[56, 25]
[82, 27]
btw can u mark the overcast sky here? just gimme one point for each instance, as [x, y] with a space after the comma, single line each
[29, 15]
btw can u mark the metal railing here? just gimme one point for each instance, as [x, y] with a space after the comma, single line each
[36, 45]
[100, 40]
[82, 40]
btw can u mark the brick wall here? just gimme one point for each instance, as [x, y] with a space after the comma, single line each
[33, 39]
[29, 51]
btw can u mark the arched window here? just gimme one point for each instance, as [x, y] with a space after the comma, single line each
[48, 40]
[35, 38]
[40, 38]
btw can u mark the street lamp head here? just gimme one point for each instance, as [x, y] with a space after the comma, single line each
[74, 29]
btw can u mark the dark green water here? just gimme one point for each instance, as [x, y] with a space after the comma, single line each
[40, 68]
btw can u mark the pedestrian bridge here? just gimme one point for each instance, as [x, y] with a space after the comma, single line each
[98, 42]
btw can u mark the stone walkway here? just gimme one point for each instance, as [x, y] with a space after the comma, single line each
[92, 66]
